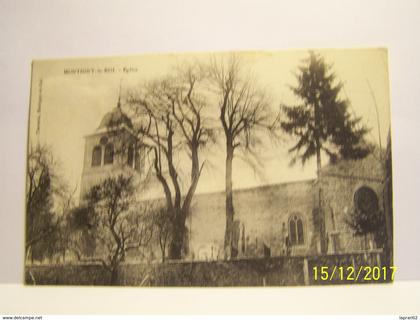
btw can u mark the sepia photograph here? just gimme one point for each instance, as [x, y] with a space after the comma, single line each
[218, 169]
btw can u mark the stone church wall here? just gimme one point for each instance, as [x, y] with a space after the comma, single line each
[339, 184]
[263, 214]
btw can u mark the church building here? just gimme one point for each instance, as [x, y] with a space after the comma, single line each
[270, 220]
[110, 150]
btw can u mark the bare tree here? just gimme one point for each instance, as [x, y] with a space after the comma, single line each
[172, 122]
[163, 223]
[244, 114]
[117, 228]
[42, 186]
[64, 205]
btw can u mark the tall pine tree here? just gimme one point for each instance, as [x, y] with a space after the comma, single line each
[321, 122]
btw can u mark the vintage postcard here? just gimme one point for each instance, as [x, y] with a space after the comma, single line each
[210, 169]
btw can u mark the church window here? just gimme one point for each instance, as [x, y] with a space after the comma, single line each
[109, 154]
[96, 156]
[130, 156]
[366, 200]
[299, 227]
[103, 141]
[296, 234]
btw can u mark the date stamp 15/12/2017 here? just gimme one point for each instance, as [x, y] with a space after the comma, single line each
[350, 273]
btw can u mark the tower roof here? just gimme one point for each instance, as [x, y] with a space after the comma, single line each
[115, 118]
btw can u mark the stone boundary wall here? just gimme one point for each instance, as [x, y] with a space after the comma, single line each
[274, 271]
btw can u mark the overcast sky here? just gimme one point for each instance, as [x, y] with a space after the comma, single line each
[72, 105]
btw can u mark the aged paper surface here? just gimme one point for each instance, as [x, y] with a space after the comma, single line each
[212, 169]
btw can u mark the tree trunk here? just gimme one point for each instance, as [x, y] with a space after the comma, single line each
[323, 238]
[323, 242]
[178, 239]
[114, 276]
[229, 201]
[178, 234]
[163, 255]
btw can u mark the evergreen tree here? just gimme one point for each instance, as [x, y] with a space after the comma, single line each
[321, 121]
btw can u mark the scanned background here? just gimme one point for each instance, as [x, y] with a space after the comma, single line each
[51, 29]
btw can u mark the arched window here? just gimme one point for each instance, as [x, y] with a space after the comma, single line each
[96, 156]
[366, 200]
[296, 234]
[109, 154]
[130, 156]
